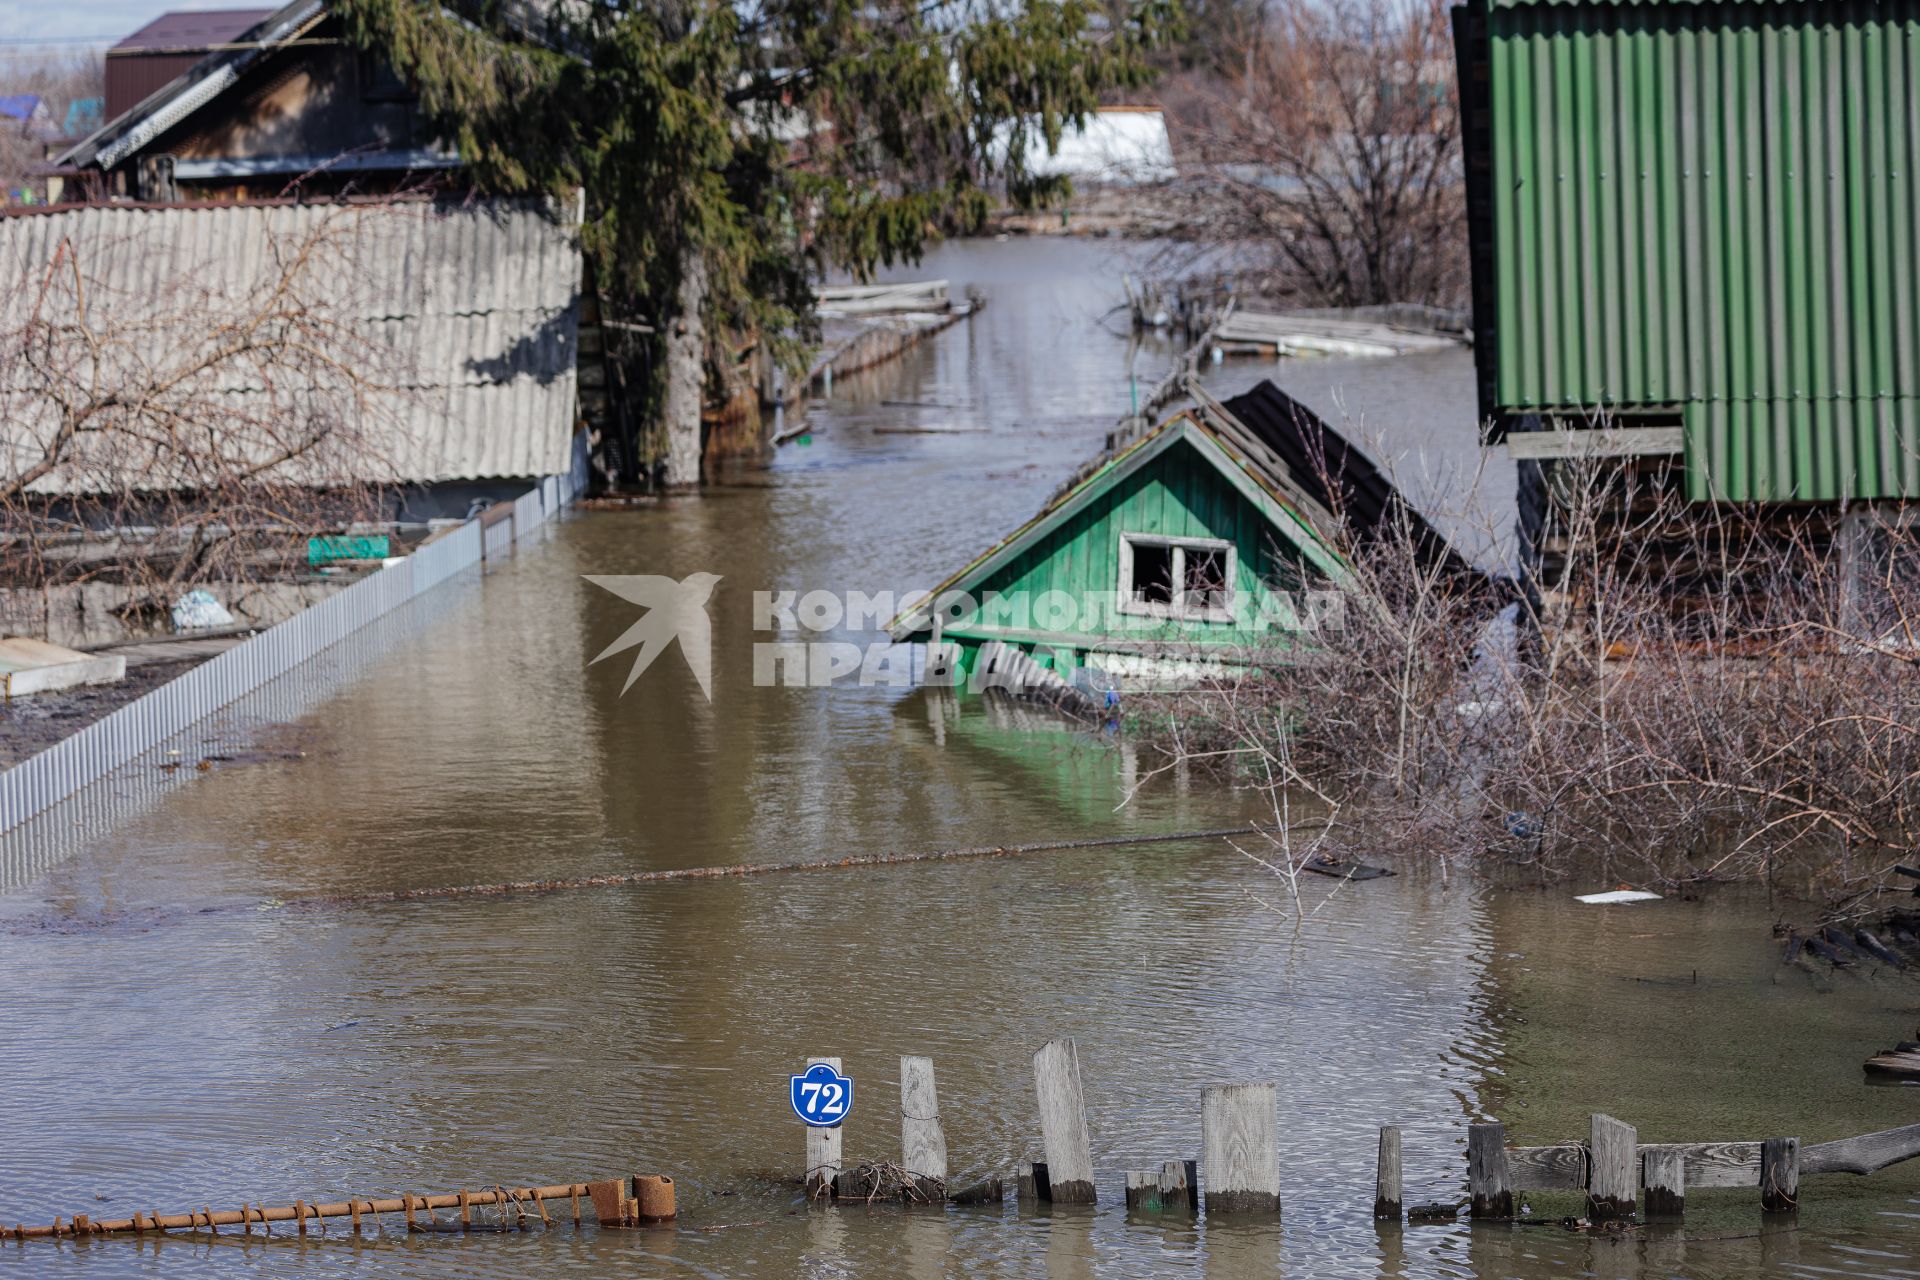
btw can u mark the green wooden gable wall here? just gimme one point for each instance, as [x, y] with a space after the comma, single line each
[1180, 493]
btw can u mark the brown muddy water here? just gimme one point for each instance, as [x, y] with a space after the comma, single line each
[173, 1035]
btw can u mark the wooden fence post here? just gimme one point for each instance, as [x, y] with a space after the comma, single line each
[1063, 1122]
[1239, 1148]
[1613, 1177]
[823, 1149]
[1780, 1175]
[1180, 1186]
[1664, 1173]
[1487, 1178]
[1386, 1178]
[923, 1144]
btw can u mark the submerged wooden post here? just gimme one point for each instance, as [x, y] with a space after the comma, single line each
[1386, 1178]
[1780, 1175]
[1663, 1171]
[1143, 1191]
[1063, 1123]
[1613, 1178]
[1030, 1181]
[1239, 1148]
[1488, 1180]
[1180, 1186]
[923, 1143]
[823, 1149]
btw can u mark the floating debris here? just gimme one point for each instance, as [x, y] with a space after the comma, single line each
[1618, 895]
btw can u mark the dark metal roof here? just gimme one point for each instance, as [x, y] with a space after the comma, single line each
[185, 29]
[1336, 474]
[125, 134]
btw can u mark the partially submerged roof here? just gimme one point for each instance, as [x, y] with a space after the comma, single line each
[478, 304]
[1302, 473]
[1416, 418]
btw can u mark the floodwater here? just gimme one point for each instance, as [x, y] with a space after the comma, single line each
[178, 1029]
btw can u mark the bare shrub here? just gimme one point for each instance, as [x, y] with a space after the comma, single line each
[1329, 155]
[196, 419]
[1699, 692]
[58, 77]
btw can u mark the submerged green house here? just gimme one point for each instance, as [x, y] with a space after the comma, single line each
[1695, 237]
[1211, 543]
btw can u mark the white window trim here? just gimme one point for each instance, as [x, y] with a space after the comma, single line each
[1178, 608]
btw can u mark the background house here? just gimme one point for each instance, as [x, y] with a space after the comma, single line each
[285, 101]
[268, 105]
[156, 54]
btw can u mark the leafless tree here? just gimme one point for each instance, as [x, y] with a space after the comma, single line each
[1329, 155]
[59, 78]
[192, 421]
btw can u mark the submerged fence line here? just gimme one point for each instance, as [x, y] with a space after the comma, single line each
[755, 869]
[43, 780]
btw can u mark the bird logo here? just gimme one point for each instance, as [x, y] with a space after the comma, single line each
[675, 610]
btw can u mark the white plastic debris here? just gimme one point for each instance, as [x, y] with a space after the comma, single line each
[199, 609]
[1619, 895]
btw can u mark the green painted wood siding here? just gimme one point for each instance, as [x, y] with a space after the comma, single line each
[1175, 495]
[1714, 209]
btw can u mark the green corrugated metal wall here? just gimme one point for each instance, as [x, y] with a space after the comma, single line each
[1715, 209]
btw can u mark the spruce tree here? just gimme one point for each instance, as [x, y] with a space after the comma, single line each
[730, 152]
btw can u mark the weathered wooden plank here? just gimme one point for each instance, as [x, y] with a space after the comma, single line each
[1663, 1171]
[1868, 1153]
[1561, 1167]
[1030, 1181]
[1715, 1164]
[1063, 1122]
[1780, 1175]
[823, 1149]
[1613, 1172]
[1488, 1179]
[1239, 1148]
[923, 1143]
[1386, 1177]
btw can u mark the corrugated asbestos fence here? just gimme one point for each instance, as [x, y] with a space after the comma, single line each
[39, 782]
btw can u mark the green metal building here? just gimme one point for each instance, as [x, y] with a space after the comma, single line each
[1700, 223]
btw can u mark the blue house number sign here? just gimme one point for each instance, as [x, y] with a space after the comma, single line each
[821, 1096]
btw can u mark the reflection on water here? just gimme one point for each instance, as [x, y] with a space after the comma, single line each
[158, 1057]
